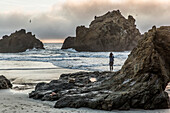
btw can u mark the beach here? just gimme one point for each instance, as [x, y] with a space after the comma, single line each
[24, 75]
[91, 56]
[26, 72]
[18, 102]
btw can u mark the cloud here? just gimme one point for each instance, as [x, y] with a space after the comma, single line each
[62, 18]
[147, 13]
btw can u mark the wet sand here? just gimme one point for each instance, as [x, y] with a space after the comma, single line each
[27, 72]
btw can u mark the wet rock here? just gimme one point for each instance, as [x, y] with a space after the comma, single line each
[5, 83]
[140, 83]
[110, 32]
[63, 86]
[19, 41]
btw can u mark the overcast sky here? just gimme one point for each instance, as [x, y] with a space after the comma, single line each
[56, 19]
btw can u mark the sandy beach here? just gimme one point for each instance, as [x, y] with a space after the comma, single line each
[24, 73]
[12, 101]
[21, 72]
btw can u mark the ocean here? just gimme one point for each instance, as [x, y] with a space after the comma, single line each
[69, 58]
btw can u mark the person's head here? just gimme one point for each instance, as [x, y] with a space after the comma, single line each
[111, 54]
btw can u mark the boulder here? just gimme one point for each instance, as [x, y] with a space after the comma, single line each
[5, 83]
[140, 83]
[19, 41]
[110, 32]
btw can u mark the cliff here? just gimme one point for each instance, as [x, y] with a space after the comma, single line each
[140, 83]
[110, 32]
[19, 41]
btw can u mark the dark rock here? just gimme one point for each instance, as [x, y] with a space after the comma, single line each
[42, 90]
[5, 83]
[69, 43]
[140, 83]
[110, 32]
[6, 36]
[19, 41]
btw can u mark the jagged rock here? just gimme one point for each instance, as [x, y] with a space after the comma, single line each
[43, 90]
[139, 84]
[19, 41]
[5, 83]
[110, 32]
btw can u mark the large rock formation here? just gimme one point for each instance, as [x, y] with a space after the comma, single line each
[139, 84]
[19, 41]
[110, 32]
[5, 83]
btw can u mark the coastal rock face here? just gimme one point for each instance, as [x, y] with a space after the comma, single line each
[110, 32]
[5, 83]
[139, 84]
[19, 41]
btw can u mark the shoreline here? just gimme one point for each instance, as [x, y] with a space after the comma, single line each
[13, 101]
[24, 72]
[27, 72]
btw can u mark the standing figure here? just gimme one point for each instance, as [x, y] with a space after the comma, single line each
[111, 61]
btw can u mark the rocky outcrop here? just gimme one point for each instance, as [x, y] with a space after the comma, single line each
[110, 32]
[139, 84]
[5, 83]
[19, 41]
[67, 82]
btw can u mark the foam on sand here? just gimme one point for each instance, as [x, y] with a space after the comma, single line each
[27, 72]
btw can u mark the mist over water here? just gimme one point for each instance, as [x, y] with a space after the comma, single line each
[91, 61]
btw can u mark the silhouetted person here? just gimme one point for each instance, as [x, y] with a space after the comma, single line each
[111, 61]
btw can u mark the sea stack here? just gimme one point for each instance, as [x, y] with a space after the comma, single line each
[110, 32]
[140, 83]
[19, 41]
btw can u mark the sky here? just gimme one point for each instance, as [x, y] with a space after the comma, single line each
[53, 20]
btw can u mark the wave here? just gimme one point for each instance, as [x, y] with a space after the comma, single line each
[68, 58]
[70, 50]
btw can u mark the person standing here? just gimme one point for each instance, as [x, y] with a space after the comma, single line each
[111, 61]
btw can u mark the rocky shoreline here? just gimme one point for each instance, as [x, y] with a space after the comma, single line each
[66, 82]
[139, 84]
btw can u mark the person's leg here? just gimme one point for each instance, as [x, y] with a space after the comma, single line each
[112, 67]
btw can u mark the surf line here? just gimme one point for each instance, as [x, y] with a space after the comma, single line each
[30, 68]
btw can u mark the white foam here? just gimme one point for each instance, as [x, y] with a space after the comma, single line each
[70, 58]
